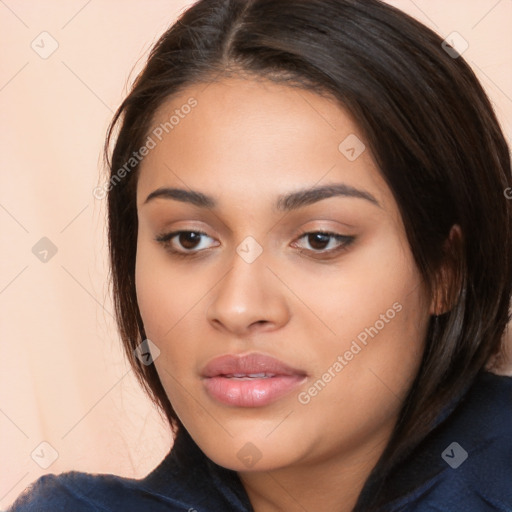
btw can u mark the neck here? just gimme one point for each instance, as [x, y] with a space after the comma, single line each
[333, 482]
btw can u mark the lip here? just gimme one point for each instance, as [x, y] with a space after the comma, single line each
[226, 379]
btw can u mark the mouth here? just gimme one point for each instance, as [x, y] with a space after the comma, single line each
[252, 380]
[241, 376]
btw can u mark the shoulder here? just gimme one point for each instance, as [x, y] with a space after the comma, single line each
[185, 481]
[58, 492]
[85, 492]
[469, 455]
[478, 455]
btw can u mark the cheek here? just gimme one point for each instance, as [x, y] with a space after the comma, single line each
[154, 296]
[364, 373]
[375, 305]
[375, 279]
[171, 304]
[164, 294]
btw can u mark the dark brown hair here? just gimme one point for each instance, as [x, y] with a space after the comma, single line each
[429, 125]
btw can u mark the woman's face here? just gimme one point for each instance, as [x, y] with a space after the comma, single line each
[263, 170]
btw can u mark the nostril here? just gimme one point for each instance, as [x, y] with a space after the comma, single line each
[259, 322]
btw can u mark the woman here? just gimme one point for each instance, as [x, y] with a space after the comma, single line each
[312, 266]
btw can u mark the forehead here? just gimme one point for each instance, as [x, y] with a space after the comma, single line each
[246, 139]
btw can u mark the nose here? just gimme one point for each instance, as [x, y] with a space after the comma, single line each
[250, 298]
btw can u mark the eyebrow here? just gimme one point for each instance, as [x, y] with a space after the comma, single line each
[285, 202]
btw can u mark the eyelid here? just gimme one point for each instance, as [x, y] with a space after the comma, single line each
[168, 235]
[166, 238]
[345, 241]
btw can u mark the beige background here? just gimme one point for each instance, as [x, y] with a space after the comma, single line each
[63, 379]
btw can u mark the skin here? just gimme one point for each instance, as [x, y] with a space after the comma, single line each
[245, 143]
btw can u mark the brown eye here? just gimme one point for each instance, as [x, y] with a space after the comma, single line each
[318, 241]
[189, 239]
[185, 243]
[324, 243]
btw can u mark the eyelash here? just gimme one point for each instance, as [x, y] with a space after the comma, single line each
[166, 238]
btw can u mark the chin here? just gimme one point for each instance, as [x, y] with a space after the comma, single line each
[250, 453]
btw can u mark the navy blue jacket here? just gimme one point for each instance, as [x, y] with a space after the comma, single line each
[463, 465]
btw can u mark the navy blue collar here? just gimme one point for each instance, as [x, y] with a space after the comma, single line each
[188, 475]
[477, 425]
